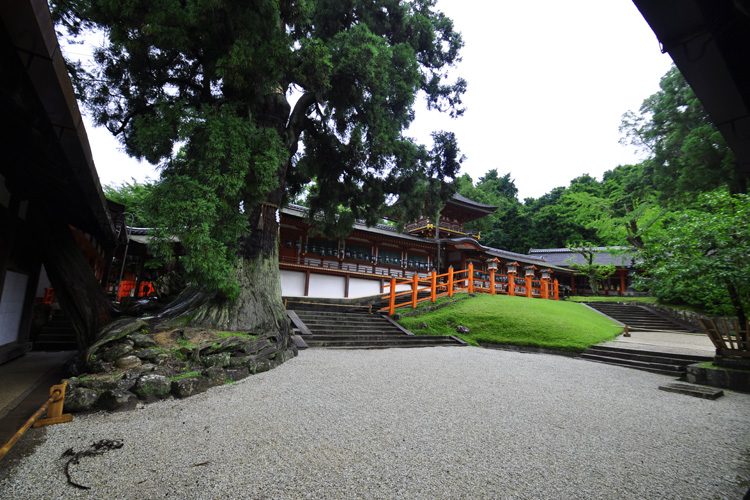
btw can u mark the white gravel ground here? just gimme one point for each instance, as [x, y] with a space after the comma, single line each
[427, 423]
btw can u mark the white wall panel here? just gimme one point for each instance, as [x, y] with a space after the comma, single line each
[292, 283]
[11, 306]
[363, 288]
[325, 285]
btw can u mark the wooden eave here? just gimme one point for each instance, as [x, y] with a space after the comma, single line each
[47, 154]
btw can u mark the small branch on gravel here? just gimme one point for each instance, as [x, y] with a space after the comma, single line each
[98, 448]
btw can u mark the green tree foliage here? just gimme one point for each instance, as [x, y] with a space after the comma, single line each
[621, 210]
[221, 93]
[700, 255]
[134, 196]
[686, 151]
[556, 217]
[593, 272]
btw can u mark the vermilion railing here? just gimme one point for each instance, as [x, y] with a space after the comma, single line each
[442, 285]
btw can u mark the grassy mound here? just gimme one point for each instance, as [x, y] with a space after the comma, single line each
[501, 319]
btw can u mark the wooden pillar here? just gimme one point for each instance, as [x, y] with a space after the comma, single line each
[573, 285]
[512, 284]
[528, 286]
[414, 290]
[557, 291]
[450, 281]
[492, 282]
[346, 286]
[433, 285]
[470, 272]
[545, 284]
[392, 298]
[307, 282]
[622, 281]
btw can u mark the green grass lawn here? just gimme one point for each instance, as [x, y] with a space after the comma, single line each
[521, 321]
[645, 300]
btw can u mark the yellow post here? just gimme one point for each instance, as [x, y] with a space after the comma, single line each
[392, 298]
[54, 410]
[471, 277]
[433, 285]
[492, 282]
[450, 281]
[414, 290]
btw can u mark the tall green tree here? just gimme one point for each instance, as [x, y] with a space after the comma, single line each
[699, 256]
[686, 152]
[222, 93]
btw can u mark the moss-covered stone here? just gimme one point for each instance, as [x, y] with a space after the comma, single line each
[119, 328]
[141, 340]
[152, 386]
[215, 375]
[116, 351]
[148, 354]
[188, 386]
[117, 400]
[80, 399]
[220, 359]
[235, 374]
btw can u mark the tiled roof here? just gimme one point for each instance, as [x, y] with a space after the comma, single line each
[564, 257]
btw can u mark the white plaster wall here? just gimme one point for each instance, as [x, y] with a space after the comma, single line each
[11, 306]
[292, 283]
[363, 288]
[324, 285]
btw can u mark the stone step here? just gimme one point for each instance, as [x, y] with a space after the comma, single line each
[360, 330]
[55, 345]
[663, 368]
[395, 338]
[405, 341]
[638, 317]
[354, 324]
[343, 331]
[693, 390]
[664, 357]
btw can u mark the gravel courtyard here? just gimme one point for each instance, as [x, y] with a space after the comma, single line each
[426, 423]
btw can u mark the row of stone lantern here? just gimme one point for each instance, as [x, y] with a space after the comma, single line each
[492, 265]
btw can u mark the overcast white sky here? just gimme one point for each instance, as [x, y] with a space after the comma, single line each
[548, 82]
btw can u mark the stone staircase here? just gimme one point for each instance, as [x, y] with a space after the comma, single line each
[638, 317]
[357, 329]
[651, 361]
[56, 335]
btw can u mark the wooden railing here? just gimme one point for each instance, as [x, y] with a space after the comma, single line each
[445, 285]
[729, 337]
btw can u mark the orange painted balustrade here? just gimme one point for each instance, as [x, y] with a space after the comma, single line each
[445, 285]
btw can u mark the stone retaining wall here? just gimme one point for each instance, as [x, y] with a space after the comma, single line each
[130, 368]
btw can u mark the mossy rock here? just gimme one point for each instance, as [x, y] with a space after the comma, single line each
[118, 329]
[80, 399]
[189, 386]
[152, 387]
